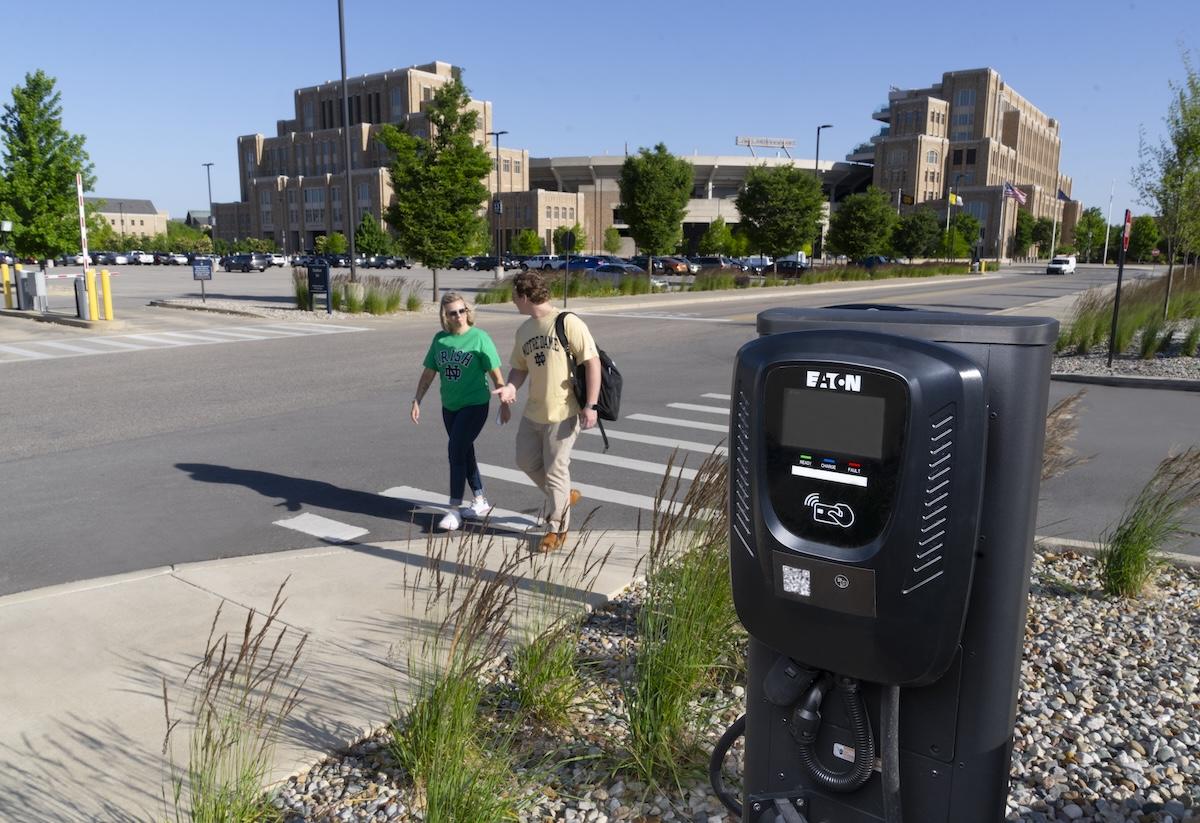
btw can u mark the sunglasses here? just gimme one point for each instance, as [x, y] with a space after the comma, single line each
[456, 312]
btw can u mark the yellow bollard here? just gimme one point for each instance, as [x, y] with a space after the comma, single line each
[7, 286]
[89, 284]
[106, 290]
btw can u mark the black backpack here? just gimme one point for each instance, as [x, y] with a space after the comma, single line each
[608, 402]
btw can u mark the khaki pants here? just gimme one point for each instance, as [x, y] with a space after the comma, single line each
[544, 453]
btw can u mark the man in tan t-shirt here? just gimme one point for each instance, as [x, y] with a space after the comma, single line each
[552, 416]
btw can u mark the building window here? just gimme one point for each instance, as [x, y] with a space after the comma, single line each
[970, 157]
[957, 157]
[264, 197]
[547, 212]
[426, 93]
[961, 134]
[965, 97]
[556, 217]
[572, 217]
[964, 119]
[364, 194]
[314, 206]
[931, 157]
[507, 166]
[396, 100]
[517, 166]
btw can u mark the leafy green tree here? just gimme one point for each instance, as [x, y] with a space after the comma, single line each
[560, 239]
[1143, 236]
[739, 242]
[369, 238]
[1167, 177]
[1089, 235]
[1023, 234]
[1042, 229]
[916, 234]
[319, 244]
[655, 187]
[862, 224]
[716, 238]
[37, 171]
[780, 208]
[527, 242]
[612, 240]
[438, 183]
[336, 243]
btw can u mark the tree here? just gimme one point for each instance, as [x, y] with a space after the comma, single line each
[1143, 237]
[527, 242]
[37, 171]
[369, 238]
[780, 208]
[336, 243]
[560, 239]
[716, 238]
[963, 235]
[1023, 234]
[862, 224]
[438, 183]
[916, 234]
[1089, 235]
[612, 240]
[1167, 176]
[1042, 229]
[655, 187]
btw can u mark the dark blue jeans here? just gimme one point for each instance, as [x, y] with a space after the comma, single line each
[464, 426]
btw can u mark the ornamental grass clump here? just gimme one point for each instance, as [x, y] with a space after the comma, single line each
[243, 694]
[1062, 424]
[1191, 341]
[686, 627]
[1155, 519]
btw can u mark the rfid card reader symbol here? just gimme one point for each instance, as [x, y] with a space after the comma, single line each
[835, 514]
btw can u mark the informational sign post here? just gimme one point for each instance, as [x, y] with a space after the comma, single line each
[202, 270]
[318, 283]
[1112, 335]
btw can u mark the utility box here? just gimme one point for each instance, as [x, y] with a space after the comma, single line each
[885, 466]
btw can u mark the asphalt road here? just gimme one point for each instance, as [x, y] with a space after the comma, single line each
[192, 435]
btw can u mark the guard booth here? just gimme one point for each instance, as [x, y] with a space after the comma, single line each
[884, 466]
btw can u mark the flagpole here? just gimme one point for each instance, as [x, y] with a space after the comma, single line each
[1054, 228]
[1108, 220]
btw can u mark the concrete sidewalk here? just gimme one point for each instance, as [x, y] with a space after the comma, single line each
[82, 693]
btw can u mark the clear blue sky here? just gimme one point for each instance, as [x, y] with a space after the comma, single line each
[159, 88]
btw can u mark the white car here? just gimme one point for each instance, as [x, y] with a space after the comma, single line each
[542, 262]
[178, 258]
[277, 259]
[1062, 264]
[120, 258]
[141, 258]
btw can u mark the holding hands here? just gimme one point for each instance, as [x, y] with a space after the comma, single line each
[507, 394]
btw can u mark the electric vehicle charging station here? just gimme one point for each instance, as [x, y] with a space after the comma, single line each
[884, 473]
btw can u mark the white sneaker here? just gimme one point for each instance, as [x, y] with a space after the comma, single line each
[450, 521]
[479, 508]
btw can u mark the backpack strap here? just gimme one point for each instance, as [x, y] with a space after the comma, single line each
[560, 329]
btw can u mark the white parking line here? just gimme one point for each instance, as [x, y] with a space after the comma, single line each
[646, 466]
[32, 355]
[651, 440]
[672, 421]
[58, 344]
[712, 396]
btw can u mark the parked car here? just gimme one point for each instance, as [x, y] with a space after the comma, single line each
[162, 258]
[484, 262]
[246, 261]
[338, 261]
[582, 263]
[1061, 264]
[788, 268]
[514, 261]
[7, 257]
[641, 262]
[277, 259]
[463, 262]
[141, 258]
[542, 262]
[102, 258]
[120, 258]
[757, 263]
[719, 262]
[397, 262]
[677, 265]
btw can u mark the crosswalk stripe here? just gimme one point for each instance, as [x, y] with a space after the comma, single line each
[282, 332]
[155, 338]
[33, 355]
[651, 440]
[712, 396]
[58, 344]
[121, 344]
[313, 328]
[238, 335]
[646, 466]
[673, 421]
[331, 531]
[193, 336]
[697, 408]
[590, 492]
[499, 518]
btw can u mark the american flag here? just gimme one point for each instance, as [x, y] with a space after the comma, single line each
[1012, 191]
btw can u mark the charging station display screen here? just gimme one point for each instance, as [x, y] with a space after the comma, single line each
[834, 439]
[845, 423]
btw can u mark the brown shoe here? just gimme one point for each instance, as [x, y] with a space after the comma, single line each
[576, 496]
[552, 541]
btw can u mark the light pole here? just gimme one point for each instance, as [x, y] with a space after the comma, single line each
[347, 220]
[497, 207]
[817, 171]
[212, 218]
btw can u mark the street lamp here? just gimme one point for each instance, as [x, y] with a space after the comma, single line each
[212, 218]
[348, 219]
[817, 171]
[495, 208]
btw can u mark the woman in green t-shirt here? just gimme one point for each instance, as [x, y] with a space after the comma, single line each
[463, 357]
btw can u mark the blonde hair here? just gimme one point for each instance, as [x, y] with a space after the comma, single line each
[449, 298]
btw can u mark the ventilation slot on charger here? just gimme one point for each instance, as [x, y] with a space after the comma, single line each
[928, 561]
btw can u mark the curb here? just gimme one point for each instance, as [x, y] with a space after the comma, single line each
[63, 320]
[167, 304]
[1168, 383]
[1093, 547]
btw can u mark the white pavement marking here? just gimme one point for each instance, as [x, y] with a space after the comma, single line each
[672, 421]
[32, 355]
[646, 466]
[323, 528]
[71, 347]
[118, 343]
[201, 338]
[712, 396]
[239, 335]
[651, 440]
[156, 338]
[661, 316]
[697, 408]
[437, 503]
[636, 501]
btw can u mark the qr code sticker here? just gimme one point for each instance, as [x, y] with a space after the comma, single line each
[797, 581]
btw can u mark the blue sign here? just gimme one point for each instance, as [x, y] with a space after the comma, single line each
[201, 270]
